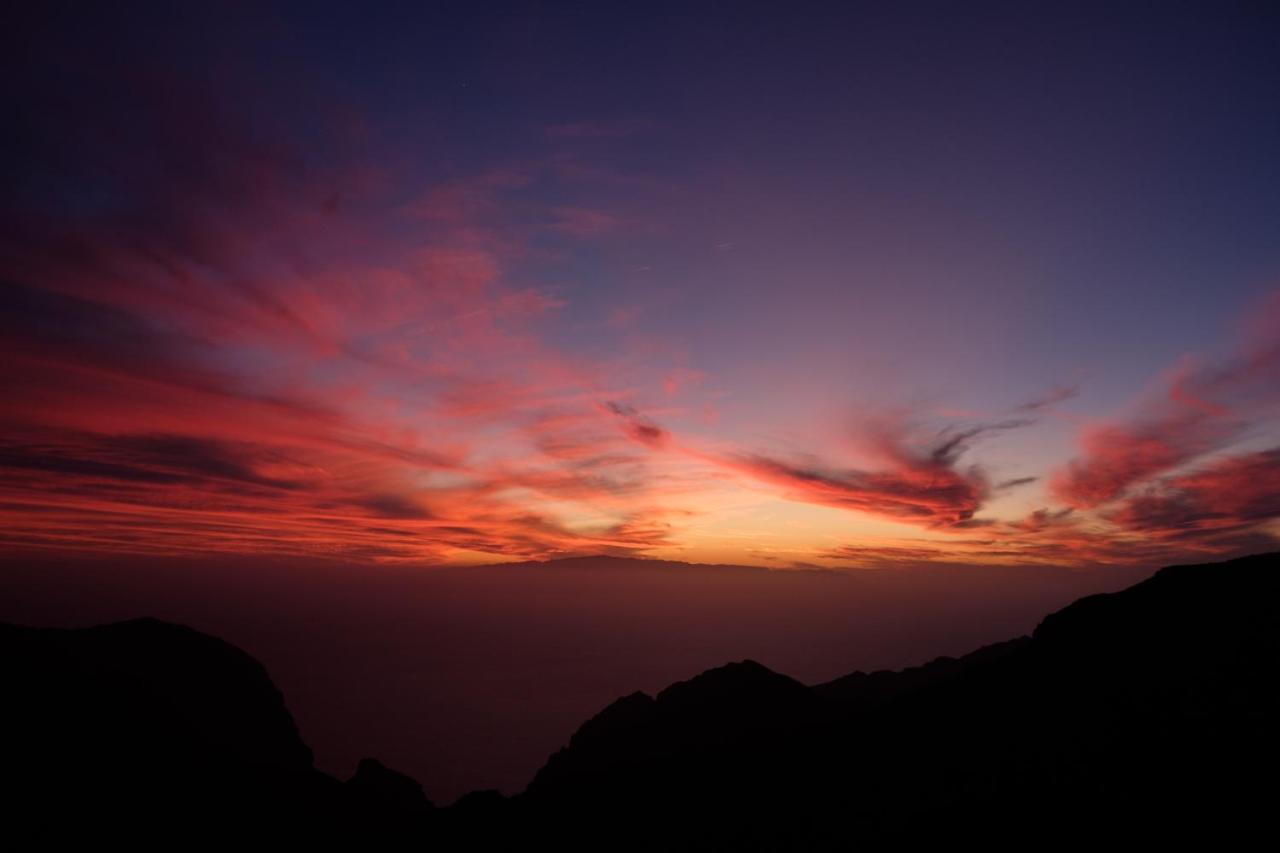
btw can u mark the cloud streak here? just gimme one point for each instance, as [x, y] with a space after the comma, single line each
[921, 481]
[1201, 409]
[215, 339]
[237, 348]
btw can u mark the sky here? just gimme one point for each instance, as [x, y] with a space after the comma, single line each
[782, 285]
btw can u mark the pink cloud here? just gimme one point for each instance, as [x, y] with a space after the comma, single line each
[253, 356]
[1215, 502]
[1204, 408]
[920, 481]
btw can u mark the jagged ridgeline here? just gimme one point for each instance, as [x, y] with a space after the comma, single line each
[1151, 711]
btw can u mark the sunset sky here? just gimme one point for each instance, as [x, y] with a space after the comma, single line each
[818, 284]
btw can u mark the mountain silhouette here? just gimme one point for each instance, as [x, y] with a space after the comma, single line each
[1152, 708]
[1144, 715]
[149, 731]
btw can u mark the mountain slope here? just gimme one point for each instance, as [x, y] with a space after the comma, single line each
[1147, 713]
[1155, 707]
[154, 732]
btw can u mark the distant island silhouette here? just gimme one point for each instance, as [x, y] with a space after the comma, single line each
[1147, 713]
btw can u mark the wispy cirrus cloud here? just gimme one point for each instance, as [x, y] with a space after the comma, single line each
[215, 339]
[1176, 477]
[1199, 409]
[920, 481]
[1215, 502]
[1058, 394]
[234, 349]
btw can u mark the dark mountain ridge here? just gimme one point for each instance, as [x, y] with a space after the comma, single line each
[1149, 712]
[149, 731]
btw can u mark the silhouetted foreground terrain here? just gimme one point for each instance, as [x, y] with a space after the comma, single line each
[1149, 712]
[469, 677]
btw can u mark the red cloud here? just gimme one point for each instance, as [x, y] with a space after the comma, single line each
[640, 428]
[920, 483]
[238, 348]
[1117, 456]
[937, 497]
[242, 354]
[1213, 503]
[1202, 410]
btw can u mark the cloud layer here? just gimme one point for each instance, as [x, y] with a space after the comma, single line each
[216, 339]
